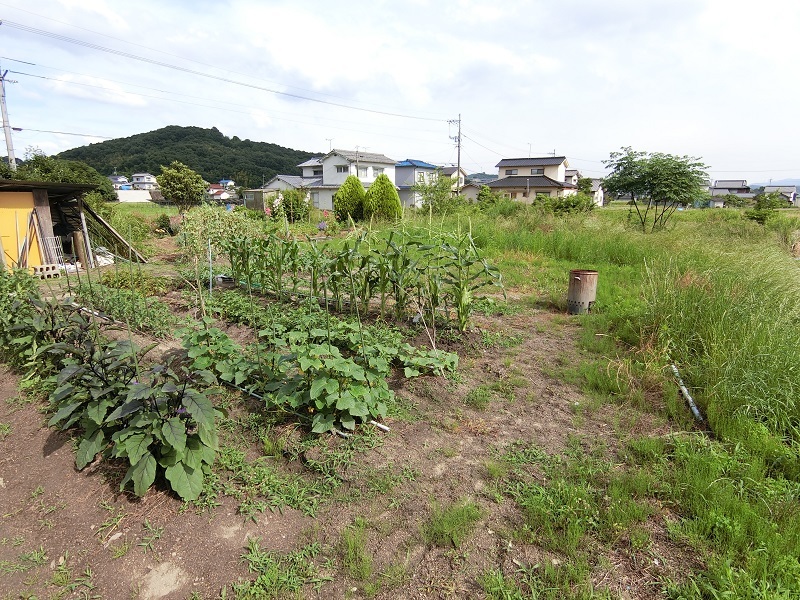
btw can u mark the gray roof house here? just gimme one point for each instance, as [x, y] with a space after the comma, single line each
[524, 178]
[323, 175]
[787, 191]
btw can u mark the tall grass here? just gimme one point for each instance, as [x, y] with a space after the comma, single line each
[734, 328]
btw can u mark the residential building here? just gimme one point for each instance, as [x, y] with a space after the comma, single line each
[470, 191]
[335, 167]
[119, 182]
[459, 177]
[725, 187]
[787, 191]
[524, 178]
[411, 172]
[598, 194]
[144, 181]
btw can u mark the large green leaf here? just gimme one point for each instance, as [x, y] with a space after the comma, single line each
[208, 435]
[137, 445]
[125, 410]
[63, 413]
[186, 481]
[96, 409]
[322, 423]
[174, 432]
[199, 406]
[88, 448]
[62, 392]
[143, 474]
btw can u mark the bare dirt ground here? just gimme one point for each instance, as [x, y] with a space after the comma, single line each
[56, 520]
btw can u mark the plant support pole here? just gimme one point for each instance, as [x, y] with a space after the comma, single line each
[210, 268]
[687, 395]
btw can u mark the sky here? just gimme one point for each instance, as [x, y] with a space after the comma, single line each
[714, 79]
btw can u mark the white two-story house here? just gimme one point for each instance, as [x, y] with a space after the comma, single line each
[144, 181]
[323, 175]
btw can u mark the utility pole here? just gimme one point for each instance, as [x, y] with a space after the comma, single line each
[330, 143]
[457, 139]
[12, 161]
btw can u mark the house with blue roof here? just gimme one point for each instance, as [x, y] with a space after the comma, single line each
[410, 172]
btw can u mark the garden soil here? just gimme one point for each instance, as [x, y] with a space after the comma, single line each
[56, 520]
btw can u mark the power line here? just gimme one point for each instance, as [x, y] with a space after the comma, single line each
[159, 63]
[171, 54]
[89, 85]
[144, 87]
[62, 133]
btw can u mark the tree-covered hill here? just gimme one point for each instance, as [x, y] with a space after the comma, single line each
[206, 151]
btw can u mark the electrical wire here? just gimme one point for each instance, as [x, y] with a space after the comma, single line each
[89, 85]
[62, 133]
[144, 87]
[159, 63]
[198, 62]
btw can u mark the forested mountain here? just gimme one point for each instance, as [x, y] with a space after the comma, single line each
[207, 151]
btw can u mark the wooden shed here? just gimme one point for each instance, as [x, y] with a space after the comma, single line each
[43, 223]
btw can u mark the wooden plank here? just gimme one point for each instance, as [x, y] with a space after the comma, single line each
[41, 203]
[44, 251]
[114, 232]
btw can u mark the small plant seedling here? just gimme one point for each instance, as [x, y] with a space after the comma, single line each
[120, 550]
[352, 547]
[5, 431]
[153, 534]
[115, 517]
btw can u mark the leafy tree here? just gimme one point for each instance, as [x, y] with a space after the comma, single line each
[585, 185]
[487, 198]
[38, 167]
[734, 201]
[770, 201]
[348, 201]
[657, 183]
[295, 204]
[382, 200]
[438, 195]
[181, 185]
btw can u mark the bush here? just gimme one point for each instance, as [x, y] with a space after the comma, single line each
[382, 200]
[562, 205]
[348, 201]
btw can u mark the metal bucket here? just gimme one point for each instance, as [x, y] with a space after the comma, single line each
[582, 291]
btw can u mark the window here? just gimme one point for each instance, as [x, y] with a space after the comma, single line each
[538, 171]
[342, 168]
[318, 172]
[315, 199]
[512, 171]
[249, 196]
[421, 177]
[377, 171]
[362, 171]
[513, 195]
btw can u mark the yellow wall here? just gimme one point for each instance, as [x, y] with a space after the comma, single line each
[17, 206]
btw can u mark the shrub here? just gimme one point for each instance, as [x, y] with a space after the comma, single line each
[382, 200]
[348, 201]
[565, 204]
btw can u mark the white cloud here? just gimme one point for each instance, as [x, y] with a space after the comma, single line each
[96, 90]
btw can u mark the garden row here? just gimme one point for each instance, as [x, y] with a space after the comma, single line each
[432, 278]
[313, 368]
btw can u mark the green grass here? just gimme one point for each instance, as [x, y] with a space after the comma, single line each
[450, 526]
[353, 553]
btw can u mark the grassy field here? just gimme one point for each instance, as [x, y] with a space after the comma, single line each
[557, 460]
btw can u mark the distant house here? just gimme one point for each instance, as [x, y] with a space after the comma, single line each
[144, 181]
[524, 178]
[459, 177]
[598, 194]
[572, 176]
[119, 182]
[470, 191]
[787, 191]
[217, 192]
[411, 172]
[334, 168]
[727, 187]
[227, 183]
